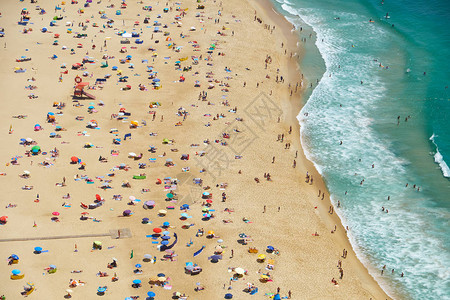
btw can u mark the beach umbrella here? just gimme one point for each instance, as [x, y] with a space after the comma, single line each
[157, 230]
[101, 289]
[137, 281]
[151, 294]
[14, 256]
[165, 242]
[228, 296]
[161, 275]
[97, 197]
[52, 267]
[55, 213]
[138, 265]
[38, 249]
[184, 215]
[186, 225]
[169, 195]
[166, 224]
[150, 203]
[36, 148]
[239, 271]
[277, 297]
[165, 237]
[126, 212]
[215, 257]
[162, 212]
[261, 257]
[145, 220]
[15, 272]
[165, 233]
[74, 159]
[132, 198]
[156, 80]
[29, 140]
[69, 291]
[148, 256]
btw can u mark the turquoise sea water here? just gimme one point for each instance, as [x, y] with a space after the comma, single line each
[364, 75]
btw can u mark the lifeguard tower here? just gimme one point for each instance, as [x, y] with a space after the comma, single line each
[79, 91]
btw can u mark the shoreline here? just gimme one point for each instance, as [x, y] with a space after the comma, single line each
[267, 7]
[304, 258]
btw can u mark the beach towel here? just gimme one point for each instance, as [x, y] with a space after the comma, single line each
[199, 251]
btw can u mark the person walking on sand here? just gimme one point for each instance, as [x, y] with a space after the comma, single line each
[264, 209]
[295, 164]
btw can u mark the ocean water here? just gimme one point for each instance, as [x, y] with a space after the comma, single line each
[376, 123]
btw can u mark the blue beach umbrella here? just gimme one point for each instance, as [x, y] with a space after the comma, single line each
[165, 233]
[14, 256]
[15, 272]
[165, 242]
[138, 265]
[38, 249]
[166, 224]
[165, 237]
[137, 281]
[228, 296]
[161, 275]
[151, 294]
[101, 289]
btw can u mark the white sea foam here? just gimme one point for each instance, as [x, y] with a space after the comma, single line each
[439, 159]
[400, 239]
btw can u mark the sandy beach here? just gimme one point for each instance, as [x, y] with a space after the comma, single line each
[209, 92]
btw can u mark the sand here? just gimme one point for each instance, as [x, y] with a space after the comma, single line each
[293, 212]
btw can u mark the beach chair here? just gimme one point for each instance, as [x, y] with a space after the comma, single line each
[16, 277]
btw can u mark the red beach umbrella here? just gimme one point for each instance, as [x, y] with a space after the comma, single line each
[97, 197]
[157, 230]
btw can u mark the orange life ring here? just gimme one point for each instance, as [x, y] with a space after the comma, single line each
[78, 79]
